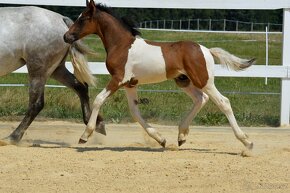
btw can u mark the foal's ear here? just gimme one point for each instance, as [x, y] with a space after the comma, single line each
[91, 5]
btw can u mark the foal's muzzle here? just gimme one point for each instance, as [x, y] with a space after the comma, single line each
[69, 38]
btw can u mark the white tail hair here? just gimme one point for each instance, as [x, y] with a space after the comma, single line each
[82, 71]
[231, 61]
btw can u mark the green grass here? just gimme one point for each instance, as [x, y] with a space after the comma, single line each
[166, 108]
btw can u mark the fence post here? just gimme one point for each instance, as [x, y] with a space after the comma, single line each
[285, 85]
[225, 23]
[267, 53]
[209, 25]
[197, 24]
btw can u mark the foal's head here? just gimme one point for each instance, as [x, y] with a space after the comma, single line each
[89, 22]
[84, 25]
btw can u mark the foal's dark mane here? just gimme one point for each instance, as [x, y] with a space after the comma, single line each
[126, 23]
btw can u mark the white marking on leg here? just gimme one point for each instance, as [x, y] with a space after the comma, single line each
[224, 105]
[100, 99]
[222, 102]
[132, 99]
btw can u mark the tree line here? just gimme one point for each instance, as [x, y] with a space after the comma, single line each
[139, 15]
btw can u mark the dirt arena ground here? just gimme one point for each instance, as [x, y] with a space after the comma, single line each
[50, 160]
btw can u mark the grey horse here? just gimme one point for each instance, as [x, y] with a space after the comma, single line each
[33, 36]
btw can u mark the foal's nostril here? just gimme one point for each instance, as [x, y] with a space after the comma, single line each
[65, 38]
[69, 38]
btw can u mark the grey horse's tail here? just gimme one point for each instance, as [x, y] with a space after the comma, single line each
[80, 64]
[68, 21]
[231, 61]
[78, 52]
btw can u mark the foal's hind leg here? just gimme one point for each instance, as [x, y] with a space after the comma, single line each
[36, 103]
[199, 99]
[224, 105]
[133, 102]
[62, 75]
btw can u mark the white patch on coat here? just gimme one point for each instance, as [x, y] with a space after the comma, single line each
[209, 63]
[145, 63]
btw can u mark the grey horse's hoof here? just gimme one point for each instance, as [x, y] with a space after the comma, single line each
[81, 141]
[8, 141]
[100, 128]
[181, 142]
[4, 142]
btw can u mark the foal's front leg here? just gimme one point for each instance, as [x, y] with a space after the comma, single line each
[100, 99]
[133, 102]
[98, 102]
[62, 75]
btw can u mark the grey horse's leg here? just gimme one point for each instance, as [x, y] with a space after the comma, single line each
[62, 75]
[36, 103]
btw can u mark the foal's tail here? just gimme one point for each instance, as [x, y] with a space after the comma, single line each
[82, 71]
[231, 61]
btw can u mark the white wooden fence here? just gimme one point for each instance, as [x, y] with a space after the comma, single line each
[282, 71]
[210, 25]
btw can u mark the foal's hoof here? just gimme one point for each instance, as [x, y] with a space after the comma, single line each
[81, 141]
[250, 146]
[163, 143]
[181, 142]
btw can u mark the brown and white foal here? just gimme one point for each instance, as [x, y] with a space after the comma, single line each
[132, 60]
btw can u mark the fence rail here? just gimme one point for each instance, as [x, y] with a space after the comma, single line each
[258, 71]
[210, 25]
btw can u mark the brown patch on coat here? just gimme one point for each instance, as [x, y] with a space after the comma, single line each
[116, 59]
[187, 57]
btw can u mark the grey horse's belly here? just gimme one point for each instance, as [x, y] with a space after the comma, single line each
[10, 60]
[6, 68]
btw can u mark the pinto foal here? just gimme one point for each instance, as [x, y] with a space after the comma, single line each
[132, 60]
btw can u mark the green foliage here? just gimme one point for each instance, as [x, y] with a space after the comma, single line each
[139, 15]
